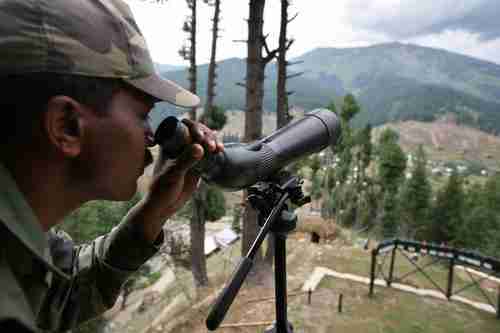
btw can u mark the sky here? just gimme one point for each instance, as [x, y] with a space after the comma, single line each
[470, 27]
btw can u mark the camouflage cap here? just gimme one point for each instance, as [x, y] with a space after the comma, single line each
[97, 38]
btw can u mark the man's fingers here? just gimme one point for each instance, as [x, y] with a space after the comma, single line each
[203, 135]
[189, 158]
[195, 130]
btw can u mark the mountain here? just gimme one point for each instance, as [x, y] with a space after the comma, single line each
[309, 93]
[163, 68]
[391, 81]
[356, 67]
[403, 81]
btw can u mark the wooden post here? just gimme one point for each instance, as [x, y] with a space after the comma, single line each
[309, 294]
[449, 290]
[340, 302]
[391, 268]
[372, 271]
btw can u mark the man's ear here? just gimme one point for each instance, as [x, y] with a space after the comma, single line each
[62, 125]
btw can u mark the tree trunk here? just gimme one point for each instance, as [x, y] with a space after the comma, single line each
[192, 57]
[253, 114]
[282, 116]
[212, 65]
[197, 222]
[197, 230]
[197, 226]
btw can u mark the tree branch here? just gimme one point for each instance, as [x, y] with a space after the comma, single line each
[294, 75]
[291, 63]
[293, 18]
[264, 43]
[270, 54]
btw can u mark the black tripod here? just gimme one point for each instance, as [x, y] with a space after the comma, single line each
[275, 215]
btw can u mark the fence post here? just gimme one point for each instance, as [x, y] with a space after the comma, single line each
[449, 290]
[372, 272]
[340, 302]
[391, 268]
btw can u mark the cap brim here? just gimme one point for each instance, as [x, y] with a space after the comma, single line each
[166, 90]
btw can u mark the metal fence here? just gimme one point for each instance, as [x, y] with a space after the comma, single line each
[489, 266]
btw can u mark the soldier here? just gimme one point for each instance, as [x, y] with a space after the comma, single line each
[77, 84]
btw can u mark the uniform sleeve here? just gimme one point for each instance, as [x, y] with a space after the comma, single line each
[105, 264]
[98, 271]
[12, 325]
[15, 311]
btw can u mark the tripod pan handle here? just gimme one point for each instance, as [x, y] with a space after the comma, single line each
[226, 297]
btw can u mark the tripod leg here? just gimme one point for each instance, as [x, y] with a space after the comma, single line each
[281, 325]
[280, 278]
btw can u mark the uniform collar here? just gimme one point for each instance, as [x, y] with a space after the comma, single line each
[17, 216]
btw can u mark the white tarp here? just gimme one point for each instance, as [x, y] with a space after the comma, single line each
[225, 237]
[221, 239]
[210, 245]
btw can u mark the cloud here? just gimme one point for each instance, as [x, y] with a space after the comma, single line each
[462, 42]
[466, 26]
[414, 18]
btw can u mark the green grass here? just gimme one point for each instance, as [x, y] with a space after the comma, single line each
[389, 310]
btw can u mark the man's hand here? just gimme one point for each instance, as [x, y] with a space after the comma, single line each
[173, 185]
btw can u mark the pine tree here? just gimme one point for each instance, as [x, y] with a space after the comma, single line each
[391, 168]
[215, 204]
[390, 217]
[475, 231]
[415, 202]
[350, 108]
[492, 193]
[447, 213]
[481, 227]
[392, 161]
[217, 118]
[365, 141]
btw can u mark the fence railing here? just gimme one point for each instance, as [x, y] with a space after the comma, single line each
[489, 266]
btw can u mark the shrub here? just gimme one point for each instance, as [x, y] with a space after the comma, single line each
[216, 204]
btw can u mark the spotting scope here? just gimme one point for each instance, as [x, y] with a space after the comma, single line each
[241, 165]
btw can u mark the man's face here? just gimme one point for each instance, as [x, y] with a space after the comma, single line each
[114, 153]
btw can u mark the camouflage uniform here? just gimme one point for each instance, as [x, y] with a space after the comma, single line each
[47, 283]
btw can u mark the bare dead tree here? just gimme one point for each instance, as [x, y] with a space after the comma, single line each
[197, 222]
[256, 63]
[282, 115]
[198, 218]
[188, 52]
[212, 65]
